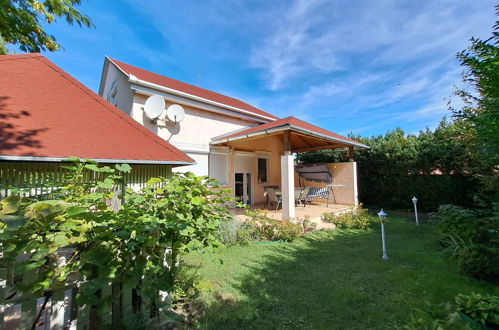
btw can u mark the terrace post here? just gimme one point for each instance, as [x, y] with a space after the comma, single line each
[288, 180]
[350, 154]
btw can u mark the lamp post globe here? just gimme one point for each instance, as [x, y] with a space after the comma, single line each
[415, 202]
[382, 215]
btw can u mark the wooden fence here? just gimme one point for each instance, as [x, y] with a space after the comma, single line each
[17, 311]
[39, 179]
[61, 311]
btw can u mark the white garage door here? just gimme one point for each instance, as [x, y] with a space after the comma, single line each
[201, 168]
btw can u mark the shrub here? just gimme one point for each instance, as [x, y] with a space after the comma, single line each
[483, 309]
[357, 219]
[473, 311]
[481, 260]
[455, 220]
[266, 228]
[471, 237]
[306, 224]
[236, 232]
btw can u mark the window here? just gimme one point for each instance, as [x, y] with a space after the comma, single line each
[219, 168]
[111, 94]
[263, 170]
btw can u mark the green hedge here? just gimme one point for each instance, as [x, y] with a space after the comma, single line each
[396, 192]
[438, 166]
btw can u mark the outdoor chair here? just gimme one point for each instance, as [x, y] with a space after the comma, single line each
[302, 198]
[297, 194]
[266, 194]
[273, 198]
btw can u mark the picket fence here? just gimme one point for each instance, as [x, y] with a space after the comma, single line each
[61, 311]
[17, 311]
[41, 179]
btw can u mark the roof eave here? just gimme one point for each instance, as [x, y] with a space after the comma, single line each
[99, 160]
[285, 128]
[353, 143]
[133, 79]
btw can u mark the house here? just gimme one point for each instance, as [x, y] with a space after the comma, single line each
[243, 147]
[46, 116]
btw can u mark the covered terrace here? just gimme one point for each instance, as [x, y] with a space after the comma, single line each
[281, 139]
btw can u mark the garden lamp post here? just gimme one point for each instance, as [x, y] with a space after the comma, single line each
[382, 215]
[415, 202]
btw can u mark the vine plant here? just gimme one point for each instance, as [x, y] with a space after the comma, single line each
[136, 246]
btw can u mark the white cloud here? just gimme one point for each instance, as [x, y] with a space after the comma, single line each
[319, 38]
[292, 49]
[360, 65]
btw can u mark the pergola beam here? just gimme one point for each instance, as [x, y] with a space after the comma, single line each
[323, 147]
[287, 141]
[302, 140]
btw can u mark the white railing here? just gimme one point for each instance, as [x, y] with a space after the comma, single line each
[42, 180]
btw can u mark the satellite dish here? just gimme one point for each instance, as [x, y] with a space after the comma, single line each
[175, 113]
[154, 106]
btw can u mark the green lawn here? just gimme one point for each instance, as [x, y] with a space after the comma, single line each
[329, 280]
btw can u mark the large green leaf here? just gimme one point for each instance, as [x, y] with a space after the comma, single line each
[46, 209]
[96, 168]
[60, 239]
[108, 183]
[75, 210]
[197, 200]
[12, 222]
[10, 204]
[153, 181]
[28, 265]
[123, 168]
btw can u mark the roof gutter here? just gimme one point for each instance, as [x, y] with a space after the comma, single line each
[135, 80]
[285, 128]
[99, 160]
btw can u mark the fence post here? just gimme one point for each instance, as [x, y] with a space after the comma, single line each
[106, 317]
[126, 300]
[165, 296]
[28, 306]
[73, 319]
[83, 318]
[3, 285]
[57, 303]
[116, 315]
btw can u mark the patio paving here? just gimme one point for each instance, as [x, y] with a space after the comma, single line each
[313, 211]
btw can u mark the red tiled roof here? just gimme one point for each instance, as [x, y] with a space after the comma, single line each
[45, 112]
[294, 123]
[188, 88]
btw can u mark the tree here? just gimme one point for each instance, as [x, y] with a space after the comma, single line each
[20, 22]
[481, 110]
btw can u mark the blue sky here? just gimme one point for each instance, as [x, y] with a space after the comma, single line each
[349, 66]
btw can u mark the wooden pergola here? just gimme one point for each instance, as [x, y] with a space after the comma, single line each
[297, 136]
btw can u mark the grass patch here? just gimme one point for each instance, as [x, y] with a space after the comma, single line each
[334, 279]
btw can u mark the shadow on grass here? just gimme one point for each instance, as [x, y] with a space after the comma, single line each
[333, 280]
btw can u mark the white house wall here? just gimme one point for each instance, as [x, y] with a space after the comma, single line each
[197, 129]
[124, 94]
[201, 166]
[193, 135]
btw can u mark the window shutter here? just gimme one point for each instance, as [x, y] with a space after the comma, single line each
[219, 167]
